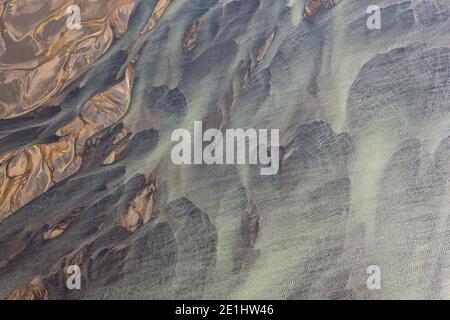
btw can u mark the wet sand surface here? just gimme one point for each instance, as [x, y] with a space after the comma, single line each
[86, 178]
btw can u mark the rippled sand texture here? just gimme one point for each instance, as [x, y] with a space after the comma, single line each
[86, 177]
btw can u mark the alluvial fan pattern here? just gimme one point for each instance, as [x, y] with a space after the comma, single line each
[86, 178]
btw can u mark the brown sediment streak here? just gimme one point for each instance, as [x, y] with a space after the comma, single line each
[314, 6]
[36, 71]
[27, 173]
[311, 8]
[78, 258]
[158, 11]
[120, 17]
[190, 41]
[35, 290]
[265, 47]
[56, 230]
[116, 154]
[141, 208]
[122, 134]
